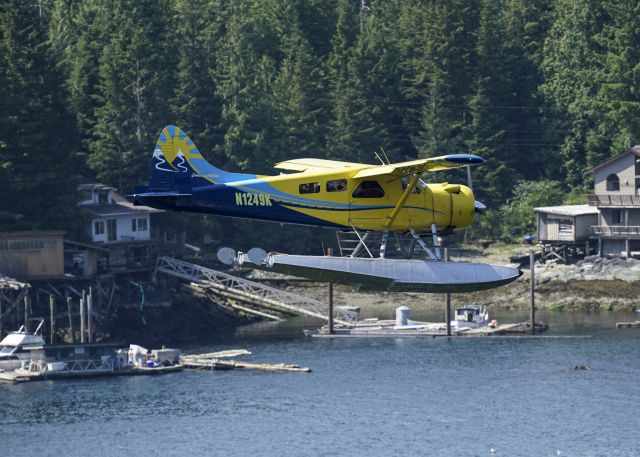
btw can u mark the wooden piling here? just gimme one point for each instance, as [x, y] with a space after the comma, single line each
[82, 303]
[330, 253]
[532, 263]
[27, 305]
[447, 299]
[90, 315]
[71, 331]
[52, 318]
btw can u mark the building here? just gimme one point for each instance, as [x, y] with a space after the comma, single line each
[124, 231]
[565, 231]
[112, 218]
[610, 222]
[617, 198]
[32, 255]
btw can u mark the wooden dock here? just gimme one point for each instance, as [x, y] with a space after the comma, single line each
[387, 330]
[19, 376]
[216, 361]
[634, 324]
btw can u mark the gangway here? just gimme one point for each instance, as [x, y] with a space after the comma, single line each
[254, 291]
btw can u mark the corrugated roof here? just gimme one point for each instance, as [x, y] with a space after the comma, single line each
[118, 209]
[568, 210]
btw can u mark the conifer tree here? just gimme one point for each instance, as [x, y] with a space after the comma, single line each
[134, 90]
[36, 132]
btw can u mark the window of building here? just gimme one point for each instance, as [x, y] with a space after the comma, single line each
[613, 182]
[142, 224]
[309, 188]
[98, 228]
[617, 216]
[368, 189]
[103, 197]
[337, 185]
[134, 225]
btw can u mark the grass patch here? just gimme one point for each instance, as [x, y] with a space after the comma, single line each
[557, 308]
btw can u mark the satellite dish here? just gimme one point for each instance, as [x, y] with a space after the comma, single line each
[226, 256]
[257, 256]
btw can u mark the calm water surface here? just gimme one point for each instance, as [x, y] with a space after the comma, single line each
[373, 397]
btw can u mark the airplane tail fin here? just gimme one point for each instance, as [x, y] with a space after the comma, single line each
[178, 165]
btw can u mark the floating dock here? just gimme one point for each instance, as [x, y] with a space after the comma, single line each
[634, 324]
[388, 329]
[216, 361]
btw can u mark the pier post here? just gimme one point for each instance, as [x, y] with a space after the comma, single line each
[71, 332]
[52, 318]
[330, 253]
[532, 263]
[27, 305]
[447, 299]
[82, 302]
[90, 315]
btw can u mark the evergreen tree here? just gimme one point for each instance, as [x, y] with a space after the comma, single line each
[572, 68]
[36, 132]
[134, 90]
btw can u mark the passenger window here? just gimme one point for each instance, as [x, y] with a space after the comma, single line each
[337, 185]
[369, 189]
[309, 188]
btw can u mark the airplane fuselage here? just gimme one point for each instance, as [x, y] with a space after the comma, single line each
[318, 192]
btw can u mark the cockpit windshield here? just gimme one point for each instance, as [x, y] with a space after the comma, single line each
[7, 349]
[416, 190]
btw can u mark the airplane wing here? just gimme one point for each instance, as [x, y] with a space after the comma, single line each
[421, 166]
[317, 164]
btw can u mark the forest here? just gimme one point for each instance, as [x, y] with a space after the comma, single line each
[542, 89]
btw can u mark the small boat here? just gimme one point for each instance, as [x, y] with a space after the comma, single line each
[16, 347]
[471, 316]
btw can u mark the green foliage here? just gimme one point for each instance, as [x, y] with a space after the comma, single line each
[517, 215]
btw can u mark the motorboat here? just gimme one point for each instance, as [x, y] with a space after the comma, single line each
[471, 316]
[16, 347]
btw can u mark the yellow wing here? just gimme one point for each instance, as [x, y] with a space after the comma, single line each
[421, 166]
[317, 164]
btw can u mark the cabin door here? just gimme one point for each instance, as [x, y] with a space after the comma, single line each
[112, 230]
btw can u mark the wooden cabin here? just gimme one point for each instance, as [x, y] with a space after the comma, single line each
[569, 223]
[32, 255]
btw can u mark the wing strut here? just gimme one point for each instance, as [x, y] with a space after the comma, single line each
[402, 201]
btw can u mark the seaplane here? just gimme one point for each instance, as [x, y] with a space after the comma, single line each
[384, 214]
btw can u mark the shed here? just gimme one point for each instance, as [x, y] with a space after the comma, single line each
[568, 223]
[32, 255]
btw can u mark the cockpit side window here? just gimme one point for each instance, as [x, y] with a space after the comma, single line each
[368, 189]
[337, 185]
[309, 188]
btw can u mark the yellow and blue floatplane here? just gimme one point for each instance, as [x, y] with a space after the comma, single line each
[361, 198]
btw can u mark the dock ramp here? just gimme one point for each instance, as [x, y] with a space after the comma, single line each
[258, 294]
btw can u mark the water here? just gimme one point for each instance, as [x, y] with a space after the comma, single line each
[374, 397]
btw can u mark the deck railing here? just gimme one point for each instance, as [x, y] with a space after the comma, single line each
[614, 200]
[615, 231]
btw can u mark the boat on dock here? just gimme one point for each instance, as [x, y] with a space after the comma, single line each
[102, 359]
[16, 347]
